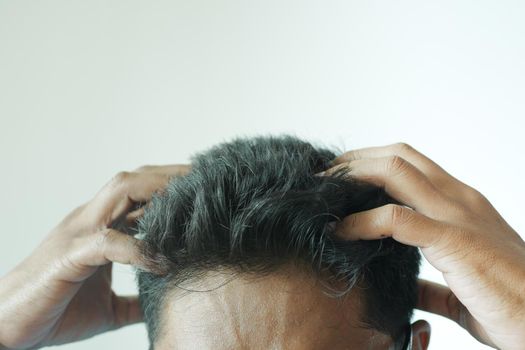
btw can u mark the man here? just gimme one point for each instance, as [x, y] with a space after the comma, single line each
[458, 231]
[252, 224]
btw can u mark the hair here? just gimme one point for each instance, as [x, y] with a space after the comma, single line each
[253, 205]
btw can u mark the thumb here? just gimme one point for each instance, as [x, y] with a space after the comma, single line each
[127, 310]
[440, 300]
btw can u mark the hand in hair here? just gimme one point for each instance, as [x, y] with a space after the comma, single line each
[459, 232]
[62, 291]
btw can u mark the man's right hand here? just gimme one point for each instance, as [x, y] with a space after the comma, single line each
[62, 292]
[459, 232]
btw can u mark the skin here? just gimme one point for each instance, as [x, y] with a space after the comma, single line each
[67, 279]
[459, 232]
[62, 292]
[287, 309]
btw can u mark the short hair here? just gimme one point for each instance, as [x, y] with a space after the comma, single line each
[253, 205]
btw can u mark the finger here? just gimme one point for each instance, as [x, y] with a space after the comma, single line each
[133, 216]
[87, 254]
[400, 179]
[127, 310]
[435, 173]
[109, 245]
[138, 187]
[123, 191]
[101, 248]
[401, 223]
[438, 299]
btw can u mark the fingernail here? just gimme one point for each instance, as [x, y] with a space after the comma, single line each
[320, 174]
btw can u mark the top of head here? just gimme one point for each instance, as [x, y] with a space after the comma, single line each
[254, 206]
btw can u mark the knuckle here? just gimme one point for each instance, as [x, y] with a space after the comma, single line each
[104, 238]
[397, 215]
[475, 197]
[402, 148]
[396, 164]
[453, 244]
[342, 169]
[121, 177]
[69, 263]
[348, 222]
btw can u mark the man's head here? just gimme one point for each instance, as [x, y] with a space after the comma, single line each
[247, 240]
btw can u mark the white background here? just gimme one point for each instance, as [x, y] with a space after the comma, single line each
[88, 88]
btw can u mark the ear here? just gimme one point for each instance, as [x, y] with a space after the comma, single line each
[420, 335]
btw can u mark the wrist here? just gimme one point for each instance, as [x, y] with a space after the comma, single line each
[10, 307]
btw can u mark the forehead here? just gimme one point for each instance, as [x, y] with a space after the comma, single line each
[289, 309]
